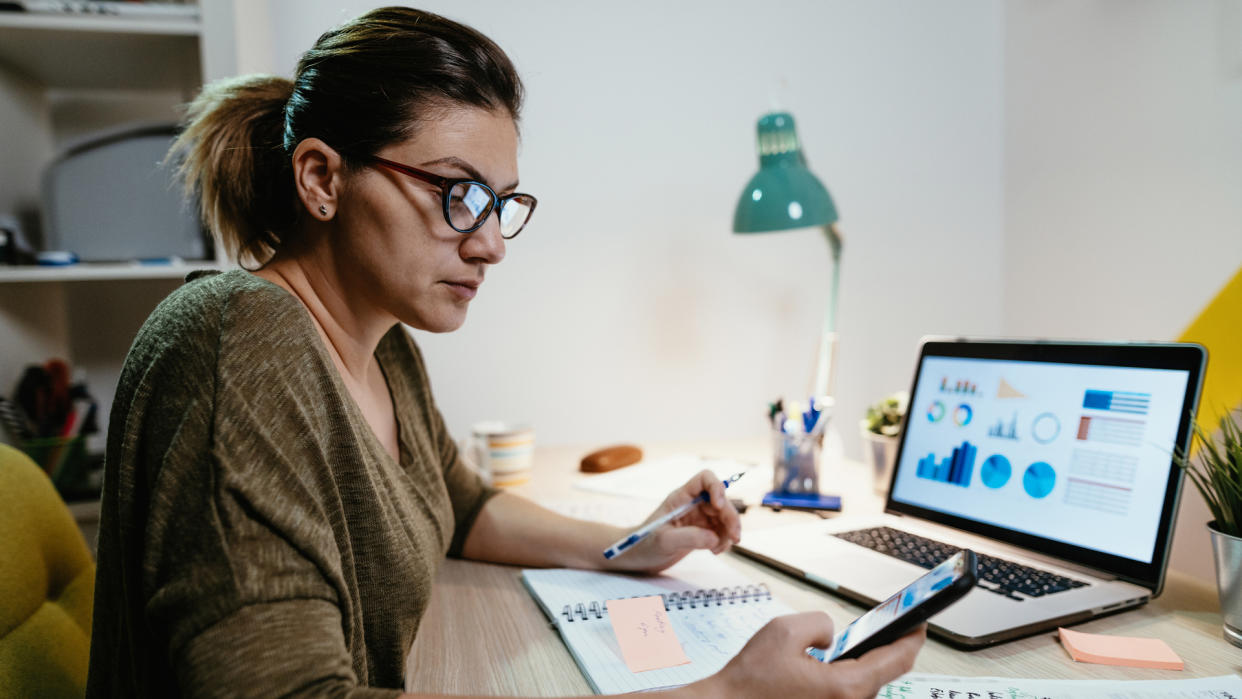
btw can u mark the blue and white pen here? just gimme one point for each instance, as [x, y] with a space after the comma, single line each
[643, 532]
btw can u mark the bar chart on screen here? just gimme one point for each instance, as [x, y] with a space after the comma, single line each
[958, 386]
[1004, 430]
[1130, 402]
[1110, 430]
[954, 469]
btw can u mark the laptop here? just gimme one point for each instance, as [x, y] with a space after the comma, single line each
[1051, 460]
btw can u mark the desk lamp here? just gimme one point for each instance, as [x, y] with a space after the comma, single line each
[785, 195]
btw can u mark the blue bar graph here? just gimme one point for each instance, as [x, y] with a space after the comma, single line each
[1117, 401]
[954, 469]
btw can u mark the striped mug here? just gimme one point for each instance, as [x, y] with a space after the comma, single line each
[503, 451]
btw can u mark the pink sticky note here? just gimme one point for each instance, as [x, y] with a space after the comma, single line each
[645, 634]
[1119, 650]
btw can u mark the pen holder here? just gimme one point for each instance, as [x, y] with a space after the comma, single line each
[62, 458]
[795, 462]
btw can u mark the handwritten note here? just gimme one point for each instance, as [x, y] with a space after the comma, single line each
[1119, 650]
[645, 634]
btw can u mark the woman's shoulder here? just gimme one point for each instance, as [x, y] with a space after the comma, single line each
[214, 310]
[218, 303]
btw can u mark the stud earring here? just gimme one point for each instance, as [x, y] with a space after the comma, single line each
[323, 210]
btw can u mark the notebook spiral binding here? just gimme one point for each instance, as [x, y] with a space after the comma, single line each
[692, 599]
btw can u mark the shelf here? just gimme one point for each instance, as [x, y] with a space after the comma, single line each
[102, 52]
[69, 23]
[95, 271]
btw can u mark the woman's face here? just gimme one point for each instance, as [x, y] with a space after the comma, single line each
[397, 253]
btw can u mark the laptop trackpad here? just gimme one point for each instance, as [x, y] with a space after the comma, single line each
[868, 573]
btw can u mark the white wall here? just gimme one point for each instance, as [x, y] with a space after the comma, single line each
[1051, 168]
[1123, 176]
[1063, 169]
[628, 311]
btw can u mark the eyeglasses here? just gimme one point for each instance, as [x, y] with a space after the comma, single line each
[468, 203]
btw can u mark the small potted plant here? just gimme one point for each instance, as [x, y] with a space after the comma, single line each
[1216, 471]
[880, 428]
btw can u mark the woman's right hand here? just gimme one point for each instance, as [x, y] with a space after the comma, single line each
[774, 663]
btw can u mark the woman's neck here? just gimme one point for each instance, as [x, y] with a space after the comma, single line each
[349, 327]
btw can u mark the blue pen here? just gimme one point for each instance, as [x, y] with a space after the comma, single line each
[810, 417]
[625, 544]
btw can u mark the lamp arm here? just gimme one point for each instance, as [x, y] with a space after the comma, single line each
[825, 371]
[834, 243]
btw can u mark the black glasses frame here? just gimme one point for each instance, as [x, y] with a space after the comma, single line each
[446, 184]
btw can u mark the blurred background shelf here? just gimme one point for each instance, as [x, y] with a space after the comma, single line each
[88, 52]
[69, 23]
[102, 272]
[65, 79]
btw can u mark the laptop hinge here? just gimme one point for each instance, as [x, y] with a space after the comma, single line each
[1070, 565]
[1012, 551]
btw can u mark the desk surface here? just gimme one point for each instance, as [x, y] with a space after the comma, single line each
[484, 634]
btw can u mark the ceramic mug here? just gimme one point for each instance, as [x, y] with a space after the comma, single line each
[503, 451]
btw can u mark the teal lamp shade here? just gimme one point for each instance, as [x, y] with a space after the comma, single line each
[783, 194]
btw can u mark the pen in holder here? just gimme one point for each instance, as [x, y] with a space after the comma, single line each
[798, 446]
[796, 463]
[63, 458]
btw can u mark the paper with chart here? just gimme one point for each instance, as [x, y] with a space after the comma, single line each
[711, 632]
[919, 686]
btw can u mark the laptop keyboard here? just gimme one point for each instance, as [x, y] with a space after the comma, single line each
[995, 574]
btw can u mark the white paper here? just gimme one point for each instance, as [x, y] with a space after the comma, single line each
[652, 480]
[920, 686]
[621, 512]
[710, 634]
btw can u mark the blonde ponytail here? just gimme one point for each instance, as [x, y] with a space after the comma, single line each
[232, 158]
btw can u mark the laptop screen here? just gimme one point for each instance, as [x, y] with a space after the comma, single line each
[1068, 444]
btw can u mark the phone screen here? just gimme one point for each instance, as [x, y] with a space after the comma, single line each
[891, 610]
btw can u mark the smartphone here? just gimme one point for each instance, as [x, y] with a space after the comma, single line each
[901, 613]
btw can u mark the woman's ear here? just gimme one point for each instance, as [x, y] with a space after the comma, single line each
[317, 171]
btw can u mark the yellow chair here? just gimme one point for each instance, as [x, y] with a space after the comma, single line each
[47, 586]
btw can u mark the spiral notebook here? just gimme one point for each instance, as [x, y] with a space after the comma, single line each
[713, 609]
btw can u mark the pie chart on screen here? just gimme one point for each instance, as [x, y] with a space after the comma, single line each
[1046, 428]
[1039, 479]
[995, 471]
[962, 415]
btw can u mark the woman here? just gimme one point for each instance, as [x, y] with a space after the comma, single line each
[280, 487]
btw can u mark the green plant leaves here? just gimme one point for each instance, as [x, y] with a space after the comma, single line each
[1217, 473]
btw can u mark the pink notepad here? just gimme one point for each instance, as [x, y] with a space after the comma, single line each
[646, 636]
[1119, 650]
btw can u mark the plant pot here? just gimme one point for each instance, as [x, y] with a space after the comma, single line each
[1227, 550]
[880, 452]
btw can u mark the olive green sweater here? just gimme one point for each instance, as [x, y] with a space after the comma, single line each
[256, 539]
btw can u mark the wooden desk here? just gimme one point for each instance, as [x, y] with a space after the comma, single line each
[483, 634]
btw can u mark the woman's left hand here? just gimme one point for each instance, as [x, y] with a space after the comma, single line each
[712, 525]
